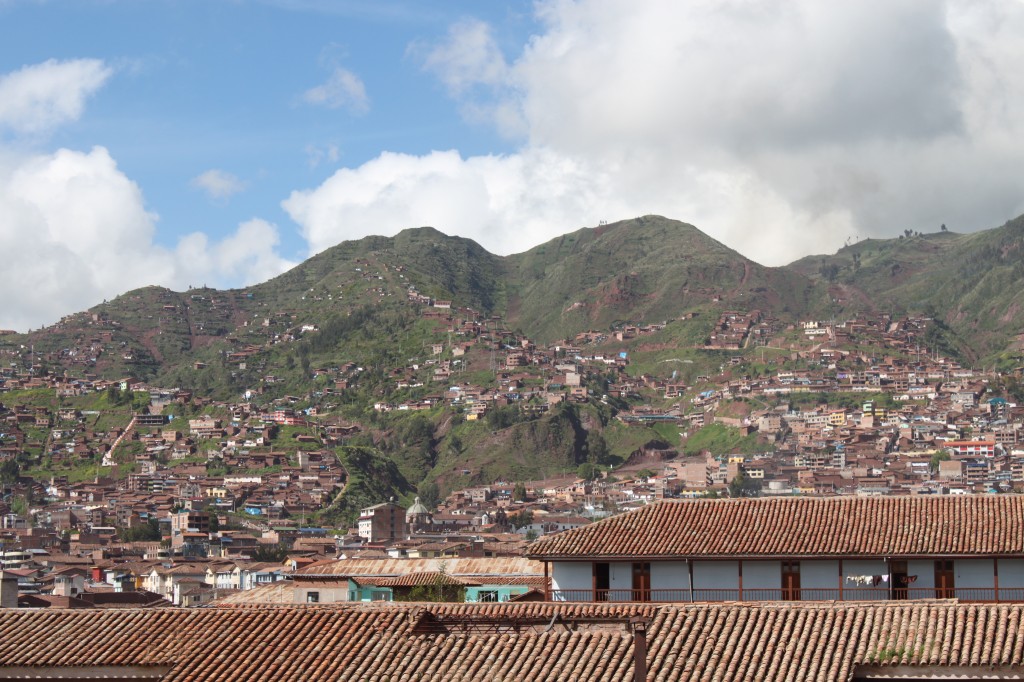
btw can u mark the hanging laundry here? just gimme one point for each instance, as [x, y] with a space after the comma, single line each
[862, 580]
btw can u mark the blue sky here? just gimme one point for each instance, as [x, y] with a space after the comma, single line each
[219, 85]
[221, 142]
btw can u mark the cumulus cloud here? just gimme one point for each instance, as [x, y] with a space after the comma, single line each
[218, 184]
[75, 230]
[39, 97]
[342, 89]
[248, 256]
[780, 128]
[481, 197]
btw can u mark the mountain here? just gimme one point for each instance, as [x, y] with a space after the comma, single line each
[646, 269]
[367, 323]
[971, 283]
[649, 269]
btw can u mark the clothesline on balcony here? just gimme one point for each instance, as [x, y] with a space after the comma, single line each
[876, 580]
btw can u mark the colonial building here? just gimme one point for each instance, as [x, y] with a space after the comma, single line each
[881, 548]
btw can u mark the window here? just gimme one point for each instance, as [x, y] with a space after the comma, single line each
[312, 597]
[487, 595]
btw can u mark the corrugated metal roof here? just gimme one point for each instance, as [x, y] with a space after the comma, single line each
[395, 567]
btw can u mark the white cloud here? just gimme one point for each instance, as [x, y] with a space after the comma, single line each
[470, 56]
[39, 97]
[342, 89]
[474, 70]
[218, 184]
[503, 202]
[315, 155]
[75, 230]
[780, 128]
[246, 257]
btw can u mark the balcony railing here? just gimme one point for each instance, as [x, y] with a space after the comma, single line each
[966, 594]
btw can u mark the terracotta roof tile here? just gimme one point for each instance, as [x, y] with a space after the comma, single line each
[538, 641]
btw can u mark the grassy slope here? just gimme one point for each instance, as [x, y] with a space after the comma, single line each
[648, 269]
[970, 281]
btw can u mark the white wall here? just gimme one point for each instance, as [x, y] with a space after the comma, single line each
[819, 575]
[571, 575]
[924, 569]
[715, 575]
[762, 580]
[974, 573]
[1011, 572]
[672, 578]
[620, 577]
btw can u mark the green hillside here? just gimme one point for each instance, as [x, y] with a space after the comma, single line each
[649, 269]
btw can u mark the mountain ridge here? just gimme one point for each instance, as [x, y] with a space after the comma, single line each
[645, 269]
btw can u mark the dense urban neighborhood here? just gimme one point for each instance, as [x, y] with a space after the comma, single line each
[111, 486]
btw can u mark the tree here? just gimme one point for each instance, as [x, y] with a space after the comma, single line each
[147, 532]
[940, 456]
[645, 473]
[943, 228]
[588, 472]
[743, 486]
[829, 271]
[9, 471]
[521, 518]
[440, 589]
[19, 505]
[597, 448]
[519, 492]
[429, 493]
[271, 553]
[454, 445]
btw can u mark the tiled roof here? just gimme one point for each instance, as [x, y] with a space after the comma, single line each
[872, 526]
[416, 580]
[524, 641]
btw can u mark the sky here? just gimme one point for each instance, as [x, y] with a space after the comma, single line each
[220, 142]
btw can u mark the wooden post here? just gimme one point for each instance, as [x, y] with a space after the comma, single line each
[841, 581]
[689, 568]
[740, 561]
[995, 575]
[888, 567]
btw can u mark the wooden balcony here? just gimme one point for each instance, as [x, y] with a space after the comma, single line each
[963, 594]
